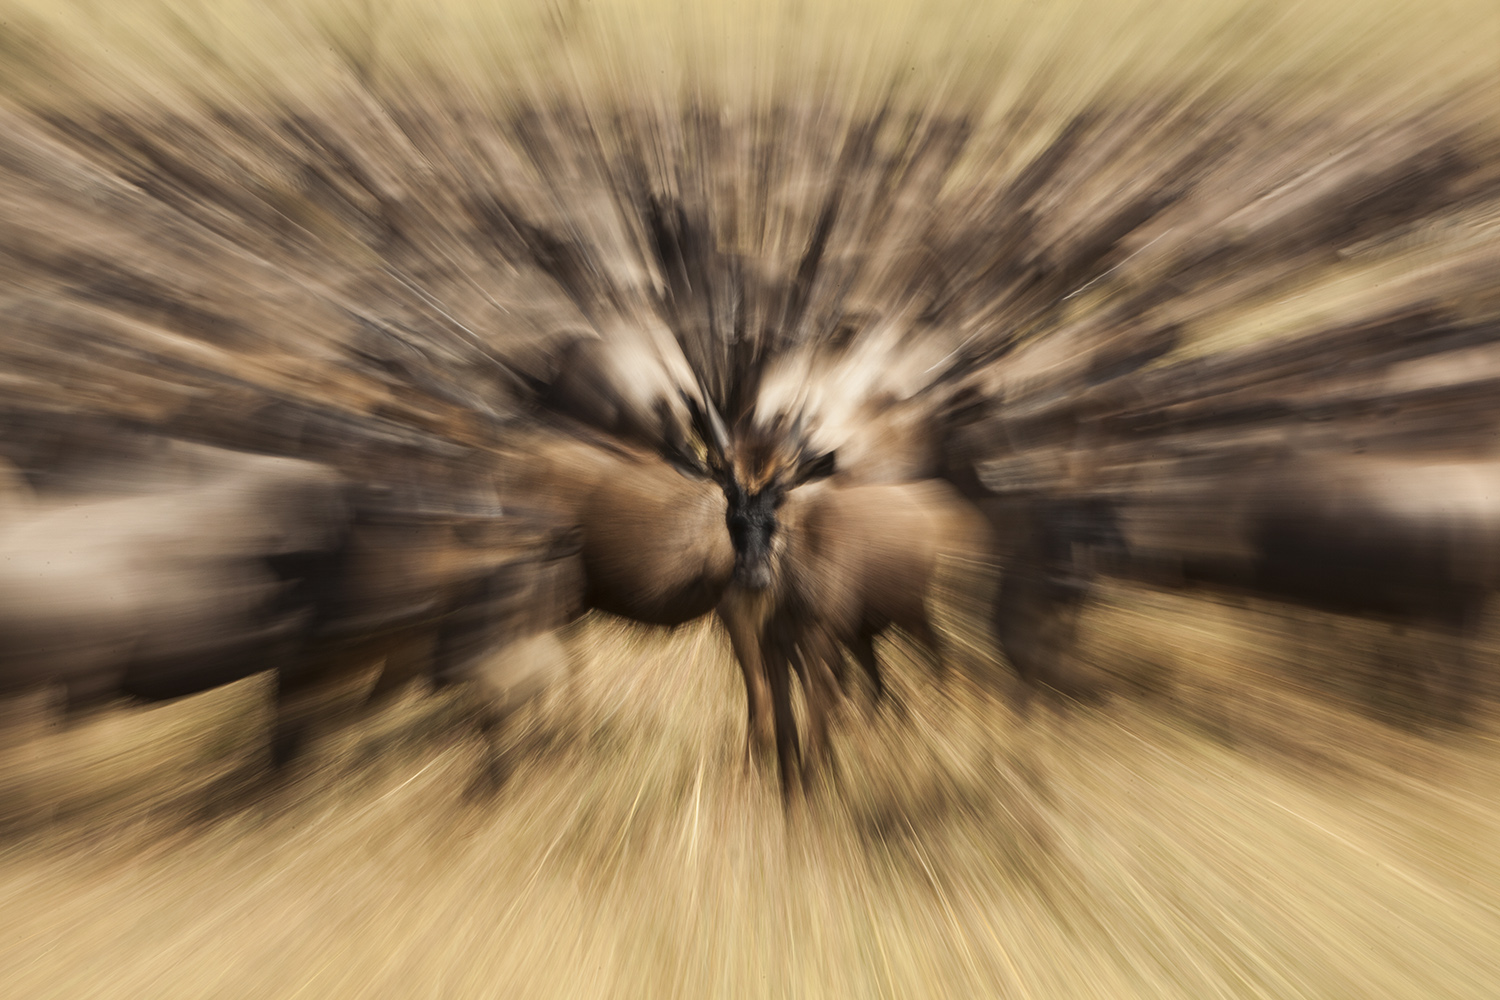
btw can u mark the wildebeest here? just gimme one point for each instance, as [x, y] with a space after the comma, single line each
[1041, 538]
[756, 474]
[656, 545]
[655, 522]
[442, 596]
[1054, 530]
[204, 565]
[1052, 550]
[824, 565]
[857, 561]
[893, 442]
[665, 526]
[214, 574]
[425, 594]
[1400, 538]
[664, 545]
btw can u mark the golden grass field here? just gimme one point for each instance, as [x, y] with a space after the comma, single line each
[1251, 815]
[1226, 831]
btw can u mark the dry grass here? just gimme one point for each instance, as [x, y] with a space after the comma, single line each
[1126, 851]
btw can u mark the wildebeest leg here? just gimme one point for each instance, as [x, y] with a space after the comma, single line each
[960, 615]
[28, 795]
[788, 748]
[1038, 633]
[400, 660]
[305, 694]
[814, 651]
[405, 660]
[862, 645]
[923, 632]
[1421, 679]
[93, 672]
[1016, 634]
[502, 681]
[1452, 688]
[493, 767]
[840, 672]
[758, 694]
[798, 649]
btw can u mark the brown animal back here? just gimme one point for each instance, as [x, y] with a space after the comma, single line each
[877, 546]
[656, 545]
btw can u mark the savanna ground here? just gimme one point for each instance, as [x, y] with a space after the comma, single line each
[1255, 814]
[1227, 829]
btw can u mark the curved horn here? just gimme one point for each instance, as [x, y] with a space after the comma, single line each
[674, 445]
[710, 427]
[794, 433]
[807, 468]
[794, 430]
[720, 432]
[820, 466]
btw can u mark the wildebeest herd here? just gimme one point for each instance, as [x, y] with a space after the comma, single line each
[900, 408]
[144, 566]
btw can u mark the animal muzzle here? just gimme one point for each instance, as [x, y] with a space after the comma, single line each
[752, 576]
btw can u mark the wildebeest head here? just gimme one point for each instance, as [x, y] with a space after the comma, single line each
[757, 468]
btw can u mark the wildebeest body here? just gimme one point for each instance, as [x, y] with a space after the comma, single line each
[863, 555]
[855, 561]
[1408, 540]
[425, 596]
[1051, 549]
[655, 547]
[1376, 536]
[165, 594]
[1347, 534]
